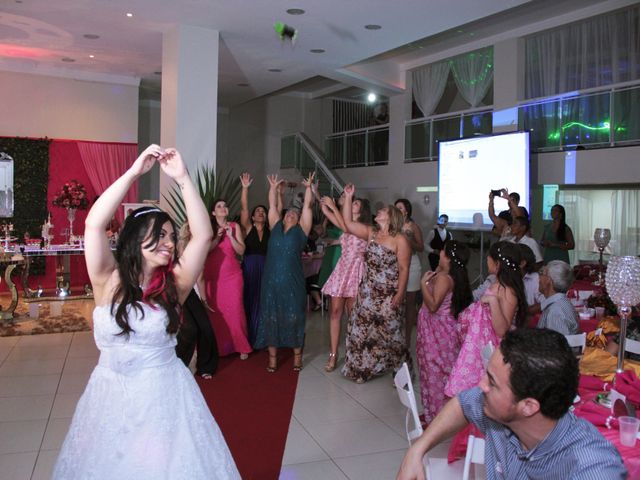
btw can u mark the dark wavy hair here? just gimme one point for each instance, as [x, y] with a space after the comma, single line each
[253, 210]
[407, 207]
[508, 256]
[524, 221]
[543, 367]
[561, 233]
[461, 296]
[528, 257]
[214, 222]
[365, 215]
[142, 229]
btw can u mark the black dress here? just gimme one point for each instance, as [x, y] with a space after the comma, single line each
[252, 268]
[195, 330]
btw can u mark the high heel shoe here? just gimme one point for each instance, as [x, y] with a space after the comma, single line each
[297, 362]
[273, 364]
[332, 363]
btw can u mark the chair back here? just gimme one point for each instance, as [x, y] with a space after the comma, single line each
[475, 454]
[579, 340]
[404, 387]
[632, 346]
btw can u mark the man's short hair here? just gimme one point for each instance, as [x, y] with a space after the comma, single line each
[524, 221]
[506, 216]
[515, 196]
[543, 367]
[561, 275]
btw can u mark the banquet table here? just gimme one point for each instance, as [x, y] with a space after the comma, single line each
[311, 264]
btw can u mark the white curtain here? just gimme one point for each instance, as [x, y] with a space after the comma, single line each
[473, 73]
[579, 217]
[428, 84]
[625, 222]
[598, 51]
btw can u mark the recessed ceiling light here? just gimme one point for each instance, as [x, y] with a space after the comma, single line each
[242, 84]
[159, 72]
[295, 11]
[275, 70]
[129, 14]
[91, 36]
[372, 26]
[317, 50]
[68, 60]
[371, 97]
[92, 56]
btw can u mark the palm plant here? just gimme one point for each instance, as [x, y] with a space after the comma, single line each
[211, 187]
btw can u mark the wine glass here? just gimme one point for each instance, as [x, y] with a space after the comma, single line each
[601, 238]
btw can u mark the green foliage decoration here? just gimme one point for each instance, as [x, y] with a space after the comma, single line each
[210, 186]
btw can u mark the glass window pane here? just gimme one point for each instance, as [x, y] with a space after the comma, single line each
[443, 130]
[543, 122]
[378, 147]
[416, 142]
[586, 120]
[626, 113]
[481, 123]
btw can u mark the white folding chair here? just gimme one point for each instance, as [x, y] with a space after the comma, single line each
[579, 340]
[475, 454]
[404, 387]
[632, 346]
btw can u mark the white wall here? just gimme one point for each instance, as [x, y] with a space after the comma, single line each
[43, 106]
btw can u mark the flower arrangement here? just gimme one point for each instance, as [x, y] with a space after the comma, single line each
[72, 195]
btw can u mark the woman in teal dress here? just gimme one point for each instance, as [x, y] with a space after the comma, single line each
[283, 293]
[557, 238]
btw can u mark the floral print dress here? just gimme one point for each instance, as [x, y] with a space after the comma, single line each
[375, 331]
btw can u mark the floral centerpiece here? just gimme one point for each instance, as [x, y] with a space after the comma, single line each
[72, 195]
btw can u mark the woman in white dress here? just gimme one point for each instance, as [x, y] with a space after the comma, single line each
[142, 415]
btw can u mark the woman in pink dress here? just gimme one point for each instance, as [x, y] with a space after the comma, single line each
[502, 307]
[446, 293]
[224, 285]
[342, 284]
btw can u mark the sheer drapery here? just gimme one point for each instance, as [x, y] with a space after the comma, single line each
[105, 162]
[625, 222]
[599, 51]
[579, 216]
[473, 74]
[428, 85]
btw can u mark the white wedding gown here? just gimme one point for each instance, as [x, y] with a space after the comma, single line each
[142, 415]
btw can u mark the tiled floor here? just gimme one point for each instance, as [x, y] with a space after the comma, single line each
[339, 430]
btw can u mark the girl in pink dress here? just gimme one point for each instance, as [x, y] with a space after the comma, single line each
[502, 307]
[342, 284]
[446, 293]
[224, 285]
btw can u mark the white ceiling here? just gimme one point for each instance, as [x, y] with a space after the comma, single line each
[35, 35]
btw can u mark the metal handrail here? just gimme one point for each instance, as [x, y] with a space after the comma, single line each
[317, 156]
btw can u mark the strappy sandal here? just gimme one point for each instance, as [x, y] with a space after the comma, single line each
[332, 363]
[273, 363]
[205, 376]
[297, 366]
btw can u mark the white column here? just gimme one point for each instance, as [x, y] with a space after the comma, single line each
[189, 106]
[508, 83]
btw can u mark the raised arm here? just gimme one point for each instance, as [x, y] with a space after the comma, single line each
[355, 228]
[503, 307]
[442, 284]
[332, 213]
[100, 261]
[414, 235]
[514, 209]
[191, 262]
[245, 220]
[449, 421]
[237, 238]
[274, 211]
[306, 219]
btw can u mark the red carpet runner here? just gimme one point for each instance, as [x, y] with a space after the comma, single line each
[253, 409]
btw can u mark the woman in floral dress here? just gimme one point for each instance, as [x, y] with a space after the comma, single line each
[502, 307]
[375, 332]
[342, 285]
[446, 293]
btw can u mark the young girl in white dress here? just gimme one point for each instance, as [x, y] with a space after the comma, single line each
[142, 414]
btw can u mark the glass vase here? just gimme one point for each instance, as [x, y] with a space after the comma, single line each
[71, 216]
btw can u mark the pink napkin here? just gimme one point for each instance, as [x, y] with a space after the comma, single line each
[597, 415]
[593, 384]
[629, 385]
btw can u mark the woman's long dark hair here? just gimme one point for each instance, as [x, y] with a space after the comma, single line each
[461, 296]
[214, 221]
[142, 229]
[407, 207]
[508, 256]
[365, 215]
[561, 233]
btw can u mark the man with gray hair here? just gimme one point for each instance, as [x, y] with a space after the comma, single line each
[557, 311]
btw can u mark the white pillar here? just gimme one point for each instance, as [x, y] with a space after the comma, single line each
[189, 106]
[508, 83]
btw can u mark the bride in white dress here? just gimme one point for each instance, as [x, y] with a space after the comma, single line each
[142, 415]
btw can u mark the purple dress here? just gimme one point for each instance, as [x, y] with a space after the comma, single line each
[475, 331]
[437, 347]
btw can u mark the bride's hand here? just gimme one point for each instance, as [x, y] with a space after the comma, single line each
[172, 164]
[146, 159]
